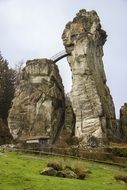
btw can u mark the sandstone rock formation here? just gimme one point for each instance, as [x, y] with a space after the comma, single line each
[69, 117]
[67, 136]
[123, 122]
[38, 106]
[91, 100]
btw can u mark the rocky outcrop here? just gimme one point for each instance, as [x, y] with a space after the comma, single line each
[38, 107]
[123, 122]
[91, 100]
[49, 171]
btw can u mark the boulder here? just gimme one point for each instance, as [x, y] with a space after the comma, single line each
[61, 174]
[49, 171]
[69, 173]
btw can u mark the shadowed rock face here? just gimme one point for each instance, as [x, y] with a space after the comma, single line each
[5, 136]
[69, 117]
[91, 100]
[123, 123]
[38, 106]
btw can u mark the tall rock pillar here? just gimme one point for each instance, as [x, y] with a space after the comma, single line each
[91, 100]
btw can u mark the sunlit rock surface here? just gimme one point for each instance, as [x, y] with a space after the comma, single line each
[91, 100]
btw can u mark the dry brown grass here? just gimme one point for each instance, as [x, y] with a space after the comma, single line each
[56, 165]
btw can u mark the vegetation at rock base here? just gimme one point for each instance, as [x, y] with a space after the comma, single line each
[55, 165]
[7, 87]
[22, 171]
[5, 136]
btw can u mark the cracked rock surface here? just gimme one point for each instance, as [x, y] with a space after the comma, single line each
[38, 106]
[91, 100]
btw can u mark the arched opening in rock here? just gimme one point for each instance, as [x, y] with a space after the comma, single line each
[66, 74]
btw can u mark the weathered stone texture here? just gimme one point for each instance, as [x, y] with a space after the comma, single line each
[38, 106]
[123, 122]
[91, 99]
[69, 117]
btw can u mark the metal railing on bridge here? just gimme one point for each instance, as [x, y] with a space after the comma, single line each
[59, 56]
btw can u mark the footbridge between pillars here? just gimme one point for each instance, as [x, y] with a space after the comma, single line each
[60, 56]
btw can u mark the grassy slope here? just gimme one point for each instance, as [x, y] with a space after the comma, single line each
[21, 172]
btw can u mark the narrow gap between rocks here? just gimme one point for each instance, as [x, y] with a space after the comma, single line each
[66, 75]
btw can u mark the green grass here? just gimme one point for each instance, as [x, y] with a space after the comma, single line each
[21, 172]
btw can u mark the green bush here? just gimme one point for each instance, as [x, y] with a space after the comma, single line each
[117, 151]
[56, 165]
[80, 172]
[79, 169]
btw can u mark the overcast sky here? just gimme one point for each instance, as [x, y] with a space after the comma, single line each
[32, 29]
